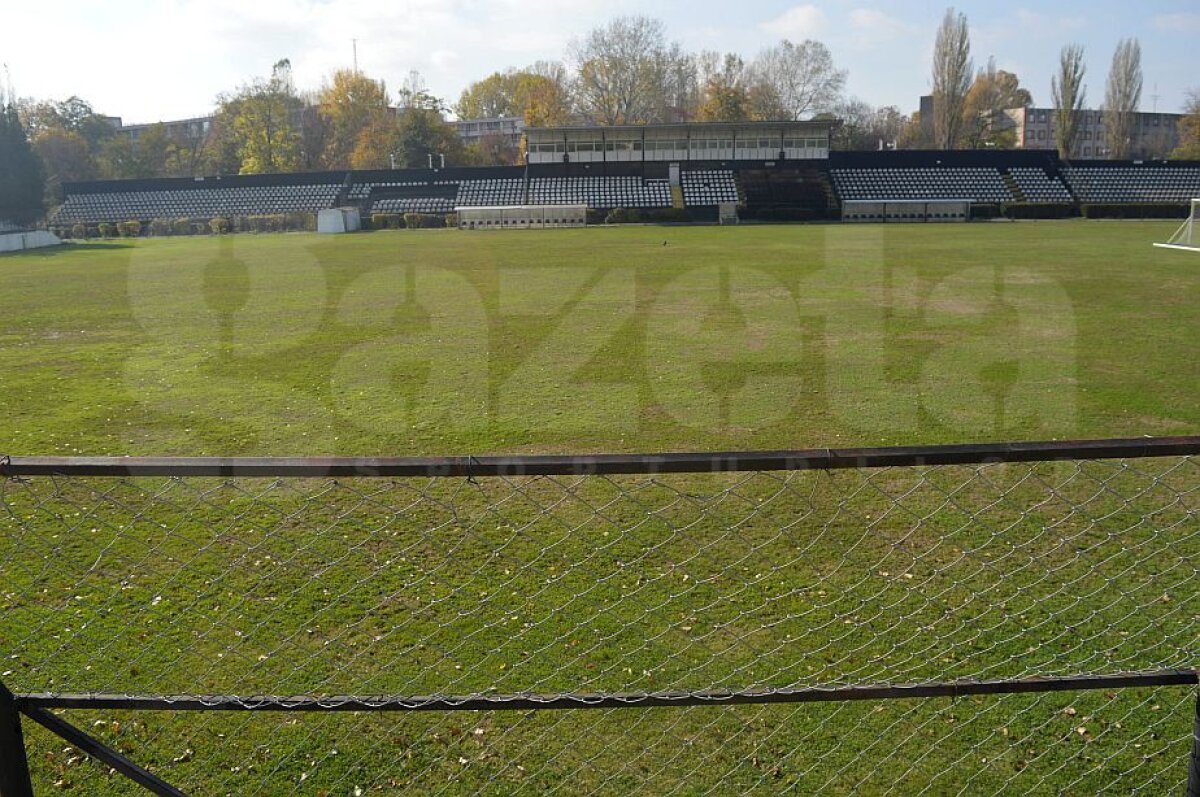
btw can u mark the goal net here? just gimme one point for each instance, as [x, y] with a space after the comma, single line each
[1186, 237]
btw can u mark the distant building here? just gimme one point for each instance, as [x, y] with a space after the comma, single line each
[195, 129]
[472, 131]
[710, 141]
[1155, 135]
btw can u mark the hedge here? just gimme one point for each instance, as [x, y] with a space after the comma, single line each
[423, 221]
[1029, 210]
[1162, 210]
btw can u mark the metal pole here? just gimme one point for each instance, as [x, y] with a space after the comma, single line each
[1193, 788]
[14, 766]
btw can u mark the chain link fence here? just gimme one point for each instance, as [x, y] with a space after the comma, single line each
[966, 620]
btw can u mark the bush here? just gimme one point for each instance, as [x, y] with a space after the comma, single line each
[452, 220]
[622, 216]
[219, 226]
[1040, 211]
[130, 229]
[669, 215]
[79, 231]
[182, 227]
[783, 214]
[106, 230]
[1163, 210]
[299, 222]
[160, 227]
[423, 221]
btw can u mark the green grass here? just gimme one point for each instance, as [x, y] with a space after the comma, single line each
[447, 343]
[443, 342]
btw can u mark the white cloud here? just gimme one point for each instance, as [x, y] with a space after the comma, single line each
[872, 26]
[798, 22]
[1183, 22]
[1033, 21]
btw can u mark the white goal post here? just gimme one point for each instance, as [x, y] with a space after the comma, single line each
[1186, 237]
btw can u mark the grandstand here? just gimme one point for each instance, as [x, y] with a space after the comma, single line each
[1133, 183]
[973, 184]
[785, 176]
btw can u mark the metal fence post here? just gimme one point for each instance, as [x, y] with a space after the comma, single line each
[1193, 788]
[14, 766]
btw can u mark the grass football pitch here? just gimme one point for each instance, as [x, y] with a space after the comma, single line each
[604, 340]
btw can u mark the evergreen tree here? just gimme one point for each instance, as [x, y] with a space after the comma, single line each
[21, 179]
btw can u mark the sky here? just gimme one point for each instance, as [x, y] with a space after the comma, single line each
[156, 60]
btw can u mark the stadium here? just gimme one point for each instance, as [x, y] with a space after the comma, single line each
[680, 173]
[684, 457]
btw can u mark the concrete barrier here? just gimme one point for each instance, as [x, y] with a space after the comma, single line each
[20, 241]
[338, 220]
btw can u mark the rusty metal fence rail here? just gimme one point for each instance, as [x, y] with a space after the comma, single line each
[984, 619]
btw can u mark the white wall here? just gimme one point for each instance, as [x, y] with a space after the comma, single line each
[19, 241]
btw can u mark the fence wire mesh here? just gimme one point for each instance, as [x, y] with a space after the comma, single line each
[430, 592]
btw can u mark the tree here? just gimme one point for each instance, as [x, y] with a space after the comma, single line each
[258, 119]
[797, 80]
[422, 132]
[627, 73]
[952, 71]
[1189, 129]
[1122, 98]
[537, 94]
[417, 131]
[1070, 97]
[993, 92]
[867, 128]
[65, 157]
[22, 181]
[726, 96]
[349, 103]
[376, 144]
[493, 150]
[546, 94]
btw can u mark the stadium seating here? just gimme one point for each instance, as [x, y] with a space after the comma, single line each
[491, 193]
[708, 187]
[1038, 186]
[600, 192]
[1101, 184]
[413, 205]
[195, 203]
[974, 184]
[360, 191]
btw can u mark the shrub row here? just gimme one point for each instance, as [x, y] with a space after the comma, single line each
[1028, 210]
[220, 225]
[657, 216]
[412, 221]
[1148, 211]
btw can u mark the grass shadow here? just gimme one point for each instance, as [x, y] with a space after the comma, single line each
[54, 251]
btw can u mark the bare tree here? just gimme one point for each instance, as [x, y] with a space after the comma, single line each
[1070, 96]
[802, 77]
[627, 72]
[1122, 98]
[952, 74]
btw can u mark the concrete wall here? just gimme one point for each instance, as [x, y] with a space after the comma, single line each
[20, 241]
[339, 220]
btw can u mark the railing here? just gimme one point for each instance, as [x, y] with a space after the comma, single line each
[983, 619]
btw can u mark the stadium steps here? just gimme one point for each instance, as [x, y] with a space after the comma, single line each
[677, 197]
[1014, 188]
[831, 198]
